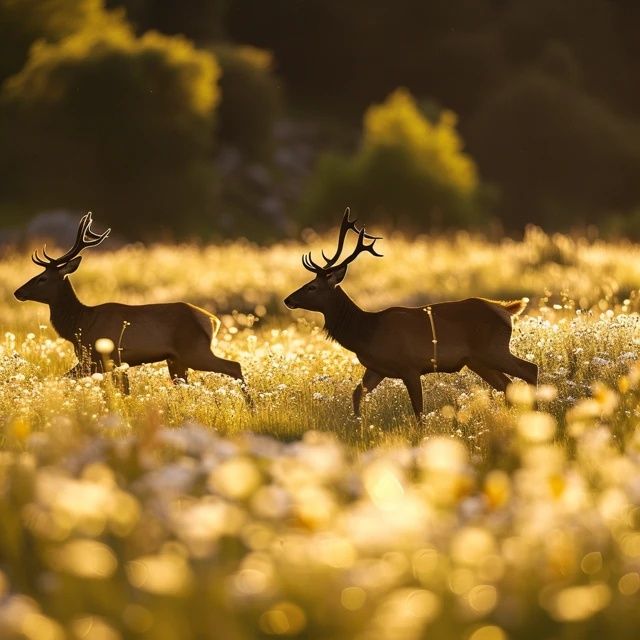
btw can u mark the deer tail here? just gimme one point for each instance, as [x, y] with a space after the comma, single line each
[508, 308]
[514, 307]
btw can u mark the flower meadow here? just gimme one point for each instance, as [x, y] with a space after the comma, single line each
[179, 512]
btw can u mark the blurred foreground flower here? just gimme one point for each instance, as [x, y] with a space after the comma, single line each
[105, 346]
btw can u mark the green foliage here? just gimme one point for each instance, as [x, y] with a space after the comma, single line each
[251, 99]
[541, 88]
[407, 169]
[561, 156]
[23, 22]
[471, 55]
[119, 124]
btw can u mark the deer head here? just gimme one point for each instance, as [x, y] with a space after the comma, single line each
[46, 286]
[316, 294]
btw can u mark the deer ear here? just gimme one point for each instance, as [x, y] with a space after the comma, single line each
[70, 266]
[336, 277]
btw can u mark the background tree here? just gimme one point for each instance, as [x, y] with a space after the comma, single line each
[407, 170]
[251, 99]
[560, 156]
[115, 123]
[541, 90]
[23, 22]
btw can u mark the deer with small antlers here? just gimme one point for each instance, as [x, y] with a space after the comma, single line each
[408, 342]
[177, 332]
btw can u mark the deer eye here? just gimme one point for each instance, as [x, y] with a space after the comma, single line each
[312, 287]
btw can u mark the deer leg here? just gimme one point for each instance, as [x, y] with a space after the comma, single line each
[492, 377]
[414, 387]
[370, 381]
[514, 366]
[207, 361]
[177, 370]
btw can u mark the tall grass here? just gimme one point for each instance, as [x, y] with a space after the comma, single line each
[179, 512]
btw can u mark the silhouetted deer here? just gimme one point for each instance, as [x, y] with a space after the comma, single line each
[177, 332]
[405, 343]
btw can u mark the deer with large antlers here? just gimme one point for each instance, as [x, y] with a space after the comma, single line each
[177, 332]
[407, 342]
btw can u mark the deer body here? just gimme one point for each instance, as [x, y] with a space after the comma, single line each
[143, 339]
[178, 332]
[399, 339]
[399, 342]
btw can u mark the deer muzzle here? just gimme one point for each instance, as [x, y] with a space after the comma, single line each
[290, 304]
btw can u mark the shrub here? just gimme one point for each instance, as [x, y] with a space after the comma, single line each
[105, 121]
[560, 156]
[251, 99]
[22, 22]
[407, 169]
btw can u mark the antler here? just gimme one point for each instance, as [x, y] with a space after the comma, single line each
[84, 238]
[310, 265]
[360, 248]
[345, 226]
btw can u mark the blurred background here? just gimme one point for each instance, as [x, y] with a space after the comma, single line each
[226, 118]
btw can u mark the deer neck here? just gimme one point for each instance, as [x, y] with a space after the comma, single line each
[345, 322]
[66, 312]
